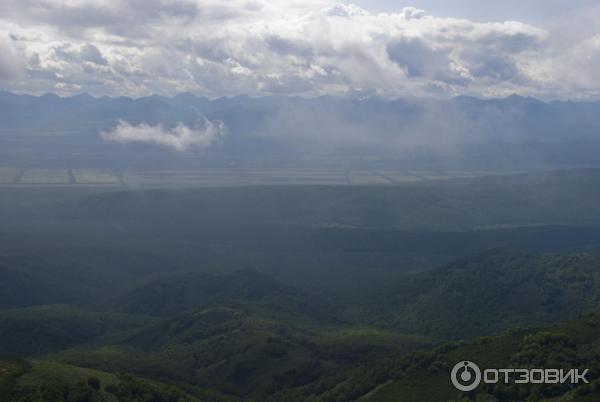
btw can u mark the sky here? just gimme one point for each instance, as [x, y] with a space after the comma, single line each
[547, 49]
[541, 12]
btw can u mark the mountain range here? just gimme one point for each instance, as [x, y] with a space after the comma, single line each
[512, 132]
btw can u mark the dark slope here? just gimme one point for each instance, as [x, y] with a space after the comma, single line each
[250, 290]
[32, 280]
[553, 198]
[33, 331]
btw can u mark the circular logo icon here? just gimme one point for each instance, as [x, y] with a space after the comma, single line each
[466, 376]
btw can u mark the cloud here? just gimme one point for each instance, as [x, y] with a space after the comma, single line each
[180, 138]
[91, 53]
[10, 60]
[420, 59]
[258, 47]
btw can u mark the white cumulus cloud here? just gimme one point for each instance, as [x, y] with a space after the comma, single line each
[180, 138]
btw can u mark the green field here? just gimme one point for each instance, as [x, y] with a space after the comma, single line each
[91, 176]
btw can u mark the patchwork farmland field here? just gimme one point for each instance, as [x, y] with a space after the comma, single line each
[45, 176]
[214, 177]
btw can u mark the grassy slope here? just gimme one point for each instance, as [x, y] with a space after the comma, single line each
[50, 382]
[46, 381]
[10, 371]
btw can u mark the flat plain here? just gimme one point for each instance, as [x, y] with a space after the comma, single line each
[217, 177]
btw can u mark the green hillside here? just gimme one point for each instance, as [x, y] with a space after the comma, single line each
[492, 292]
[425, 377]
[242, 354]
[303, 293]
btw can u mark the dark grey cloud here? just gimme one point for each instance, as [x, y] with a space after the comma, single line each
[422, 60]
[497, 68]
[288, 47]
[91, 53]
